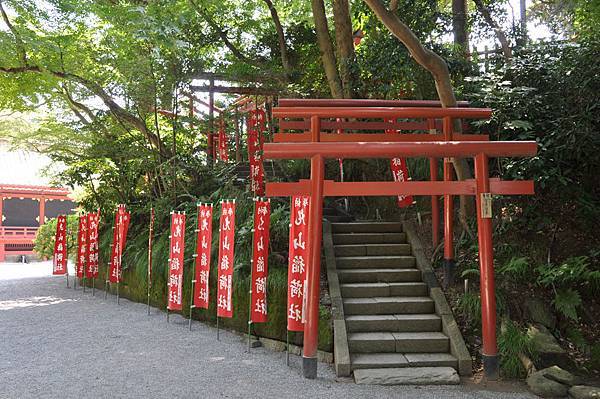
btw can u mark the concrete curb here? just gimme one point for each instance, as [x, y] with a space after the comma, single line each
[341, 352]
[457, 344]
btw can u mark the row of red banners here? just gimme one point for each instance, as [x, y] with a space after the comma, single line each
[87, 256]
[87, 244]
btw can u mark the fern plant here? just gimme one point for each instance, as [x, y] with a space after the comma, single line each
[566, 302]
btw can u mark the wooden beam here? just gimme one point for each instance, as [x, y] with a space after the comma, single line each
[234, 90]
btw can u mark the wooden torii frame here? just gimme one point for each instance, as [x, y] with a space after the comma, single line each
[318, 150]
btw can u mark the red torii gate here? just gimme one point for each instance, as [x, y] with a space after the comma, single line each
[342, 146]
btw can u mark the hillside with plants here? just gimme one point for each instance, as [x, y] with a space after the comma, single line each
[102, 88]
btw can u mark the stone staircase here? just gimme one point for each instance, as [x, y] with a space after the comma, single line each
[391, 324]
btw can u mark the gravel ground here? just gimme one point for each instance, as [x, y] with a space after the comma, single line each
[57, 342]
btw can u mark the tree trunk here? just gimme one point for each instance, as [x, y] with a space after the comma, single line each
[285, 61]
[326, 49]
[459, 26]
[487, 16]
[345, 46]
[441, 75]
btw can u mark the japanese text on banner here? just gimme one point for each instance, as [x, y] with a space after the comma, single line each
[60, 246]
[81, 246]
[203, 253]
[226, 258]
[400, 173]
[92, 243]
[176, 245]
[260, 244]
[298, 261]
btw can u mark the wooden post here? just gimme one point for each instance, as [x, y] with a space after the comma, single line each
[486, 266]
[313, 278]
[211, 123]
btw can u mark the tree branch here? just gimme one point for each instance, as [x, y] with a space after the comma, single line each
[326, 49]
[18, 41]
[487, 16]
[285, 61]
[223, 35]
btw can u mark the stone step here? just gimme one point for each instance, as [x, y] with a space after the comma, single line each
[400, 342]
[369, 238]
[407, 376]
[362, 290]
[394, 322]
[376, 262]
[372, 249]
[388, 305]
[392, 360]
[379, 275]
[367, 227]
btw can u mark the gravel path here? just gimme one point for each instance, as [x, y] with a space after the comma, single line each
[60, 343]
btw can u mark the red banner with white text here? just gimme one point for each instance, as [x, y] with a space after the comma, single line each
[260, 255]
[92, 244]
[60, 246]
[400, 173]
[256, 126]
[298, 261]
[226, 257]
[223, 150]
[81, 246]
[203, 252]
[176, 245]
[120, 229]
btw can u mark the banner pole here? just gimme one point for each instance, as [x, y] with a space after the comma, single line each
[106, 282]
[84, 282]
[287, 347]
[167, 313]
[93, 287]
[218, 338]
[194, 257]
[67, 275]
[249, 313]
[149, 274]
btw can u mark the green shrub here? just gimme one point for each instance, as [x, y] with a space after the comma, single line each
[46, 234]
[513, 341]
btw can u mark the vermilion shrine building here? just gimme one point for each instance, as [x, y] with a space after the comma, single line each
[23, 209]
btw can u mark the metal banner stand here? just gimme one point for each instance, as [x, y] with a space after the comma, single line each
[194, 256]
[67, 275]
[83, 282]
[250, 313]
[106, 282]
[167, 313]
[287, 347]
[218, 337]
[93, 287]
[149, 279]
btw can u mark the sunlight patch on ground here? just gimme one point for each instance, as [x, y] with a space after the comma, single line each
[32, 301]
[14, 271]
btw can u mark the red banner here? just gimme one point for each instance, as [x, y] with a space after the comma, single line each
[223, 153]
[92, 244]
[298, 260]
[400, 173]
[60, 246]
[81, 246]
[203, 249]
[176, 245]
[262, 216]
[226, 257]
[256, 126]
[120, 229]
